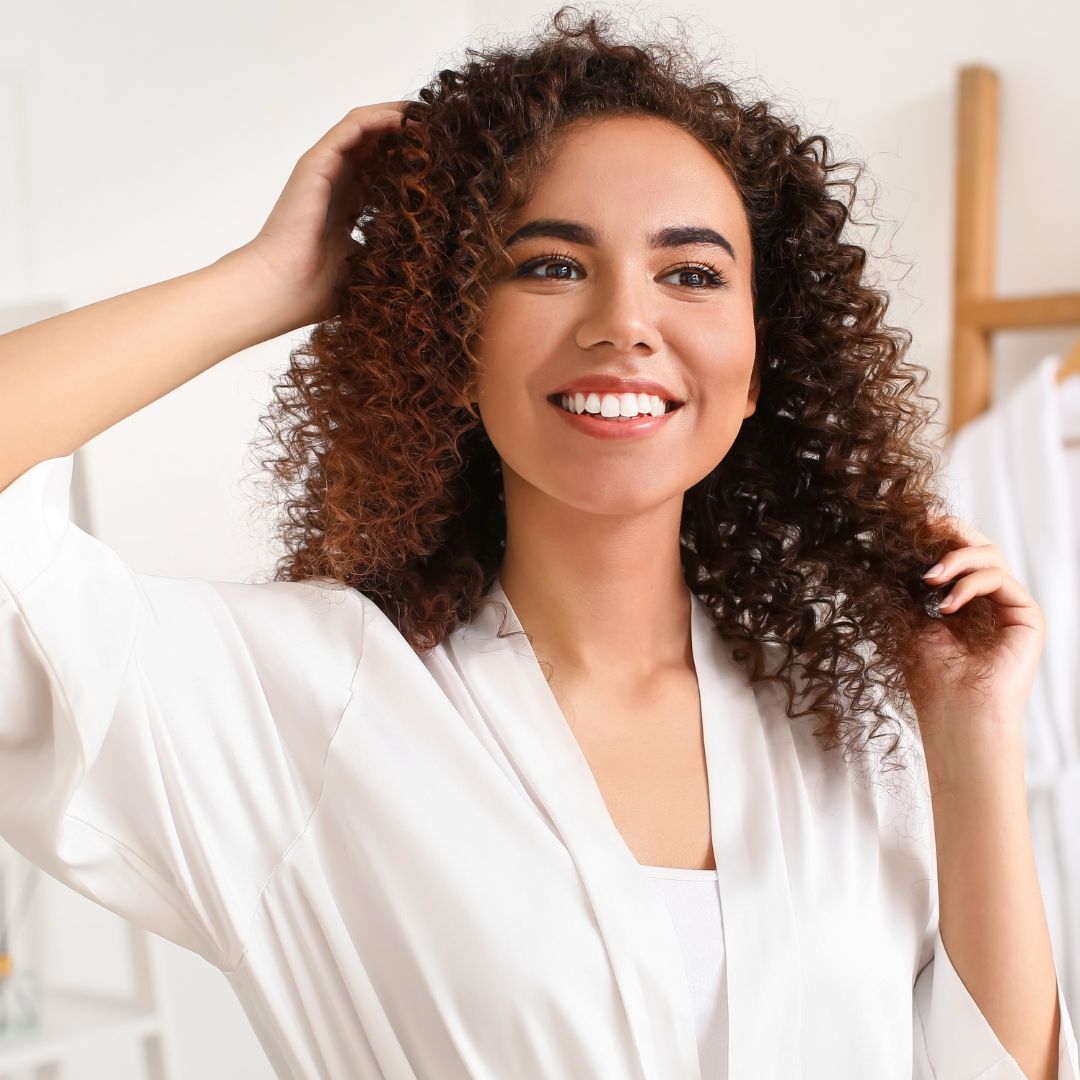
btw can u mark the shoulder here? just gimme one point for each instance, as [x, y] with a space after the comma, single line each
[303, 640]
[319, 611]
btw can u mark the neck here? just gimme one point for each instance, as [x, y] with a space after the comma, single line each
[601, 596]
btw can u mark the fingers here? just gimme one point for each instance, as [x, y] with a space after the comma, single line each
[343, 155]
[992, 581]
[351, 129]
[983, 559]
[963, 559]
[984, 573]
[363, 117]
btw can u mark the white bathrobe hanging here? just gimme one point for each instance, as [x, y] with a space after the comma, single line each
[1007, 473]
[404, 866]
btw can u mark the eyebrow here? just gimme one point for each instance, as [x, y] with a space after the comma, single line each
[576, 233]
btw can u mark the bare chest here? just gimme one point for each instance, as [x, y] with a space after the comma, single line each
[647, 755]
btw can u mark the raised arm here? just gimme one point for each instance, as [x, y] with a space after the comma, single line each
[66, 379]
[162, 740]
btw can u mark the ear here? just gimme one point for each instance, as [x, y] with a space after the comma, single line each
[755, 377]
[752, 393]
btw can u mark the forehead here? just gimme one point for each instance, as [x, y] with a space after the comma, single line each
[635, 170]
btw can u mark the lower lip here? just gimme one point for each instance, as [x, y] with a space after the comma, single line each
[614, 429]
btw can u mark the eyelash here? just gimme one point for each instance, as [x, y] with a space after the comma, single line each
[718, 280]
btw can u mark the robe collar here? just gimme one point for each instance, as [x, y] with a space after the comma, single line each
[761, 945]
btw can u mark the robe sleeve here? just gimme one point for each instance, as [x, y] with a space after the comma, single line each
[162, 740]
[954, 1041]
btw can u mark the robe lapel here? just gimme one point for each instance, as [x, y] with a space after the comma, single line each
[763, 956]
[643, 948]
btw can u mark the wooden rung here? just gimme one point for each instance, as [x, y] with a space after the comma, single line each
[1020, 313]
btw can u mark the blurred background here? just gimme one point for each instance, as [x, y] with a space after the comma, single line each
[141, 141]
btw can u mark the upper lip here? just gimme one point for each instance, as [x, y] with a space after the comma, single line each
[614, 384]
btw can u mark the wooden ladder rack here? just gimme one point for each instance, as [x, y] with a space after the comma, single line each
[978, 313]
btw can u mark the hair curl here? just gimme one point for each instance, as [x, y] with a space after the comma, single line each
[807, 541]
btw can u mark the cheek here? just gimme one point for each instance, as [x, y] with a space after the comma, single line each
[720, 371]
[515, 321]
[514, 348]
[508, 415]
[509, 347]
[720, 405]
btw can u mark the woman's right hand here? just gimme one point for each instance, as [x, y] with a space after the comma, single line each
[302, 245]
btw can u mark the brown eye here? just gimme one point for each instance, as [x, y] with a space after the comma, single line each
[557, 258]
[714, 278]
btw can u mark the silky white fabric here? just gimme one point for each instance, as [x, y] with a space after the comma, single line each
[693, 901]
[404, 865]
[1009, 473]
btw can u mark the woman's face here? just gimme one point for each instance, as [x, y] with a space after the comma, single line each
[615, 303]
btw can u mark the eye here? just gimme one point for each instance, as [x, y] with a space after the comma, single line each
[556, 258]
[714, 278]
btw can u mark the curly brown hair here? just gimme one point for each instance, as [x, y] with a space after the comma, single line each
[807, 541]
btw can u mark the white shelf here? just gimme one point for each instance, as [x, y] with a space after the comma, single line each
[72, 1020]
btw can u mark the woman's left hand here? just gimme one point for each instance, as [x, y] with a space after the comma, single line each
[980, 570]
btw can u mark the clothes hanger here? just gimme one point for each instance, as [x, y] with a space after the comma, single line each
[1066, 369]
[1070, 365]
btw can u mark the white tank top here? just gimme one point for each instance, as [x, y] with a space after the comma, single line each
[693, 899]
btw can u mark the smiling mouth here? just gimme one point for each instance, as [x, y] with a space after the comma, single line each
[556, 400]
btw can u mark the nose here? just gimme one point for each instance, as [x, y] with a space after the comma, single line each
[618, 311]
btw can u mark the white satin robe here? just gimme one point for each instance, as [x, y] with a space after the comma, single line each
[1008, 473]
[404, 866]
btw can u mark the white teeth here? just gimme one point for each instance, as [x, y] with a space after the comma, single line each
[613, 406]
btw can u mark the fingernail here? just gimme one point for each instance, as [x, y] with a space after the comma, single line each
[934, 570]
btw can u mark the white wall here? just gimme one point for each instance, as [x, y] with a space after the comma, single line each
[139, 142]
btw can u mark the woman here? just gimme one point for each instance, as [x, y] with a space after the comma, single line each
[503, 774]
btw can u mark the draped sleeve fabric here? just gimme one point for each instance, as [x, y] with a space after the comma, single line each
[162, 740]
[954, 1041]
[951, 1038]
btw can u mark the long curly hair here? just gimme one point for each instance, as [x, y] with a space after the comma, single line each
[807, 541]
